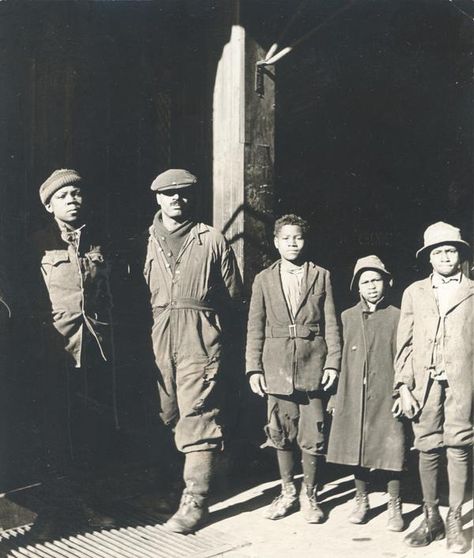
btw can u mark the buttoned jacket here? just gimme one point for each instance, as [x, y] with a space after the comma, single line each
[419, 323]
[292, 354]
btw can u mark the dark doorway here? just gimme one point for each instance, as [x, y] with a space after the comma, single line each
[374, 130]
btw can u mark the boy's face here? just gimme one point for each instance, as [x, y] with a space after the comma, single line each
[445, 260]
[175, 204]
[371, 286]
[290, 242]
[66, 204]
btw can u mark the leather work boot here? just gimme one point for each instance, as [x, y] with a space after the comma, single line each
[455, 539]
[395, 519]
[311, 510]
[430, 529]
[191, 515]
[193, 509]
[361, 508]
[284, 504]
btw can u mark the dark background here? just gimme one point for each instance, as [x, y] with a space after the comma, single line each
[373, 142]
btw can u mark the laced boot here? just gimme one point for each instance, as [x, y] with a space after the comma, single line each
[455, 539]
[395, 519]
[193, 509]
[361, 508]
[311, 510]
[284, 504]
[191, 515]
[430, 529]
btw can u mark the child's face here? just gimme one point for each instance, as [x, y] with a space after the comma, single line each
[66, 204]
[445, 260]
[290, 242]
[371, 286]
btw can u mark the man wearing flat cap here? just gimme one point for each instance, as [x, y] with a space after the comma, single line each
[71, 307]
[195, 289]
[434, 374]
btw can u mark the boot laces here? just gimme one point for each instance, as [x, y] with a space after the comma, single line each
[454, 523]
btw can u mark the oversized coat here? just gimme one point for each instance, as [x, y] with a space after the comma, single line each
[364, 432]
[292, 354]
[419, 323]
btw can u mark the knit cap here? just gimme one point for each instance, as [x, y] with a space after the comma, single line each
[59, 179]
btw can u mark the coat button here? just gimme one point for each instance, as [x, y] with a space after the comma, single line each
[354, 347]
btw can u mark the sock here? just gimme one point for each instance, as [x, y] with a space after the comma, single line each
[457, 475]
[286, 464]
[393, 484]
[428, 466]
[361, 479]
[310, 469]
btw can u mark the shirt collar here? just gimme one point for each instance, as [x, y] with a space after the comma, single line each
[291, 268]
[438, 280]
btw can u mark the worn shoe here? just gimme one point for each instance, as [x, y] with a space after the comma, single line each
[430, 529]
[311, 510]
[395, 519]
[361, 509]
[284, 504]
[455, 539]
[191, 515]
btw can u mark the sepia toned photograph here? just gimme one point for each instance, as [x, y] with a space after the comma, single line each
[236, 278]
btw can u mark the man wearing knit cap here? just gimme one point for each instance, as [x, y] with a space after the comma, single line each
[195, 288]
[433, 375]
[72, 305]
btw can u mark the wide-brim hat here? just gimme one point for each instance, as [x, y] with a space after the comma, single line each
[441, 233]
[57, 180]
[173, 179]
[370, 263]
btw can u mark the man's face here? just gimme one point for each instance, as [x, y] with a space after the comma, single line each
[445, 260]
[290, 242]
[66, 204]
[371, 286]
[175, 204]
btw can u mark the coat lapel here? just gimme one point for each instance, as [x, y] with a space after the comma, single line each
[429, 297]
[309, 280]
[277, 289]
[466, 289]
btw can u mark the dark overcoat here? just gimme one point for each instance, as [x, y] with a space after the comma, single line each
[292, 354]
[364, 432]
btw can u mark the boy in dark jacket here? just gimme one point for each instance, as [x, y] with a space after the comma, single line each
[293, 355]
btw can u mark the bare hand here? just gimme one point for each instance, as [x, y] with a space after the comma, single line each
[257, 384]
[397, 408]
[329, 377]
[409, 404]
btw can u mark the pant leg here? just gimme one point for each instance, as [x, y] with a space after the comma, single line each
[428, 426]
[199, 398]
[282, 422]
[311, 424]
[457, 428]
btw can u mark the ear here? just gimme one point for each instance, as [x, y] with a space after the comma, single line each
[48, 207]
[276, 242]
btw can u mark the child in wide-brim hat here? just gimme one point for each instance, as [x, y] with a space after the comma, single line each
[434, 371]
[364, 432]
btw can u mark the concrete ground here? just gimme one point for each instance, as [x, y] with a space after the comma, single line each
[240, 516]
[291, 537]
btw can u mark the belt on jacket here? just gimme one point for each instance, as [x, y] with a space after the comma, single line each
[184, 304]
[292, 331]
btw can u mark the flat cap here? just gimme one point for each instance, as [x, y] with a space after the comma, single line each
[59, 179]
[172, 179]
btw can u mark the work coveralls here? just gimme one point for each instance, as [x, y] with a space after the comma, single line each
[73, 315]
[191, 297]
